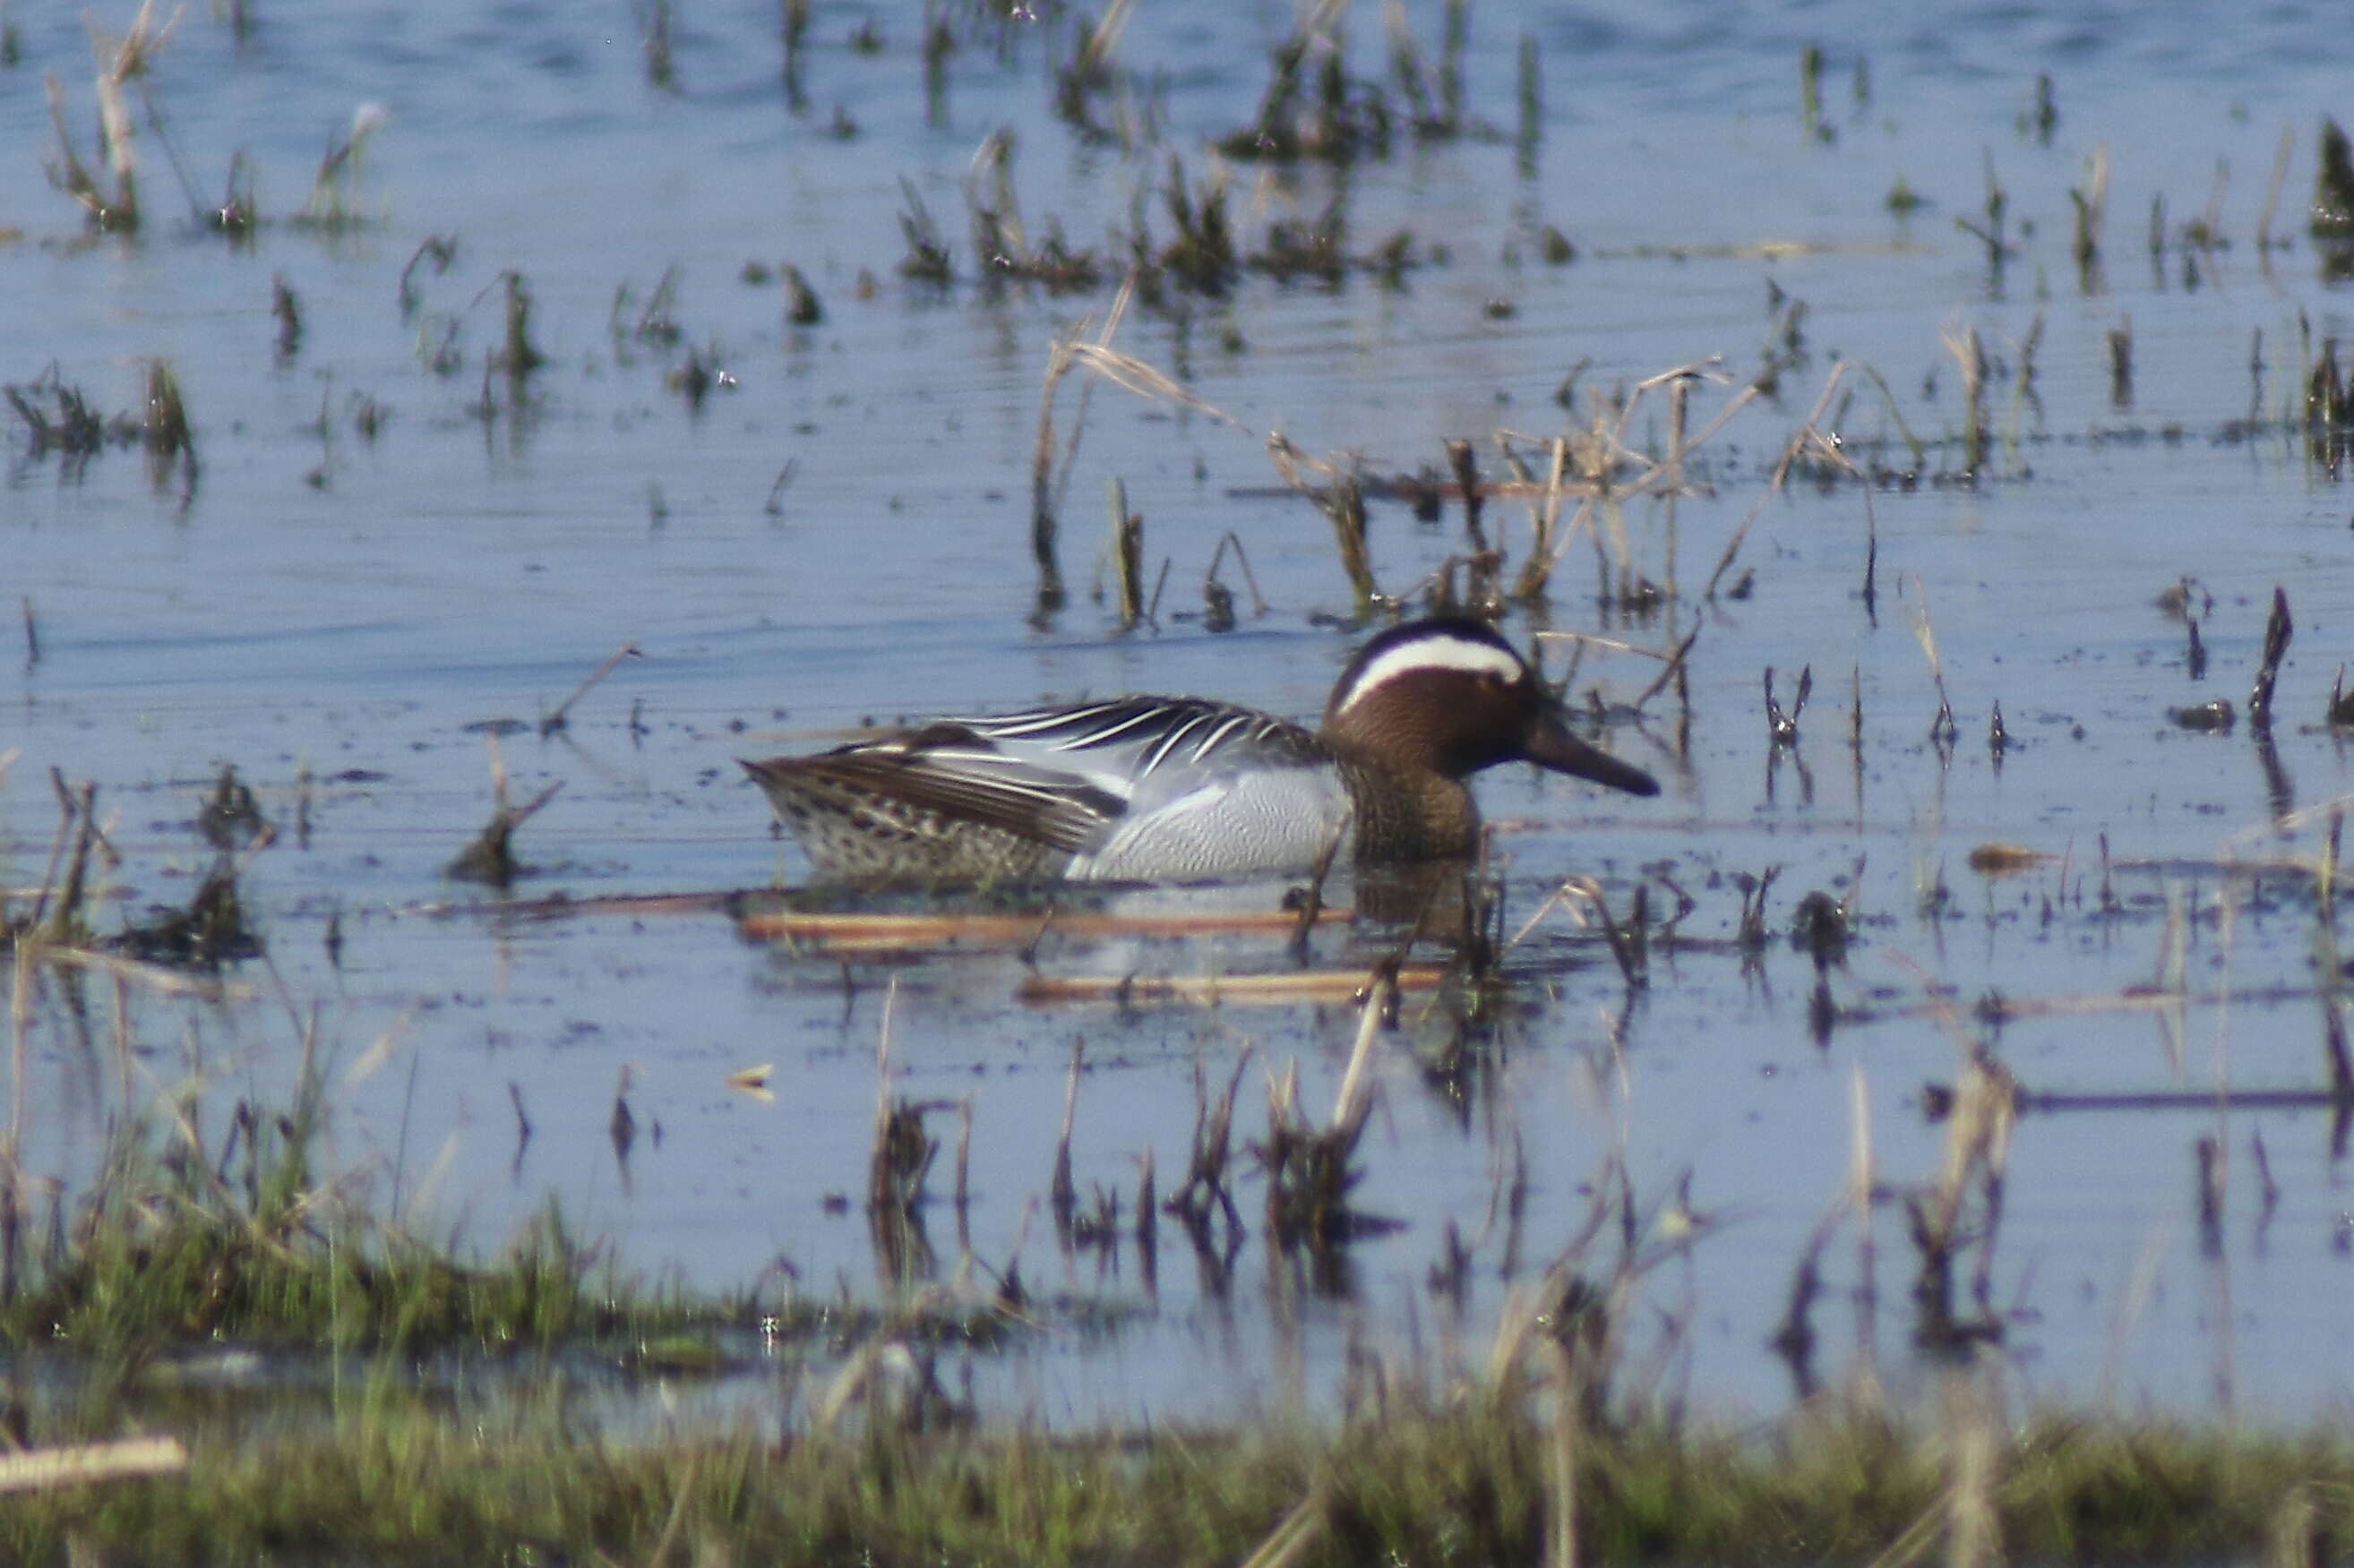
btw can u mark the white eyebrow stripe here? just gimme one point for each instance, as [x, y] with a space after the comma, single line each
[1455, 654]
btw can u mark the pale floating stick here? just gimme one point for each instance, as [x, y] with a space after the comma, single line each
[1316, 985]
[909, 930]
[754, 1081]
[2163, 1099]
[2010, 1008]
[1612, 644]
[634, 904]
[168, 983]
[47, 1470]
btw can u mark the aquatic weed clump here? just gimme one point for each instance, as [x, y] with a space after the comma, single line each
[177, 1242]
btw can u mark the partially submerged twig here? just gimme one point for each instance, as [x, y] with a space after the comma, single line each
[490, 857]
[559, 716]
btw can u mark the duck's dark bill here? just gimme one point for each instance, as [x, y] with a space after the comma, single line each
[1549, 744]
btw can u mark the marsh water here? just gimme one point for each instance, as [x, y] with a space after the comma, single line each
[389, 543]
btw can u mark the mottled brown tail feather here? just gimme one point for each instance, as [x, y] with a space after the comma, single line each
[854, 832]
[1068, 820]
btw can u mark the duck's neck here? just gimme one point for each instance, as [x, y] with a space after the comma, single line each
[1407, 814]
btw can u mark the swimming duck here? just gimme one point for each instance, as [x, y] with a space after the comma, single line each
[1190, 789]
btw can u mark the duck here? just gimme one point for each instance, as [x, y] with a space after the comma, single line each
[1190, 789]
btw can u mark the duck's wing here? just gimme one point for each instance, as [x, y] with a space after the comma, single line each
[1145, 749]
[1064, 777]
[1207, 791]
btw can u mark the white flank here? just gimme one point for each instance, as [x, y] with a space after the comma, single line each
[1441, 652]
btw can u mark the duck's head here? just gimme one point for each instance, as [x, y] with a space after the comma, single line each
[1449, 696]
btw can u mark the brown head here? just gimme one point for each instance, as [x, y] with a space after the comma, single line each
[1448, 695]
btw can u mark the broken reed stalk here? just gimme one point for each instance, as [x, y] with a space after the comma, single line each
[1678, 408]
[120, 61]
[1913, 444]
[561, 716]
[2331, 217]
[939, 43]
[2092, 212]
[1970, 355]
[1599, 453]
[792, 27]
[1973, 1524]
[12, 1173]
[1212, 1146]
[1061, 1192]
[1127, 546]
[490, 858]
[74, 175]
[2278, 629]
[1308, 1174]
[65, 926]
[2273, 193]
[1942, 729]
[1465, 463]
[662, 73]
[1561, 1453]
[1863, 1179]
[164, 429]
[2328, 965]
[519, 357]
[329, 205]
[1042, 485]
[1544, 516]
[1871, 558]
[1148, 1213]
[1354, 1101]
[1629, 944]
[1808, 438]
[1211, 587]
[1982, 1111]
[1531, 96]
[904, 1150]
[1824, 447]
[1343, 505]
[1046, 486]
[1671, 672]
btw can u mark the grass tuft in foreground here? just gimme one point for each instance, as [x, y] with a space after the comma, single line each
[1443, 1481]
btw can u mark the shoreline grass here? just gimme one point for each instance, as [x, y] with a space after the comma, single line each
[184, 1251]
[1466, 1478]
